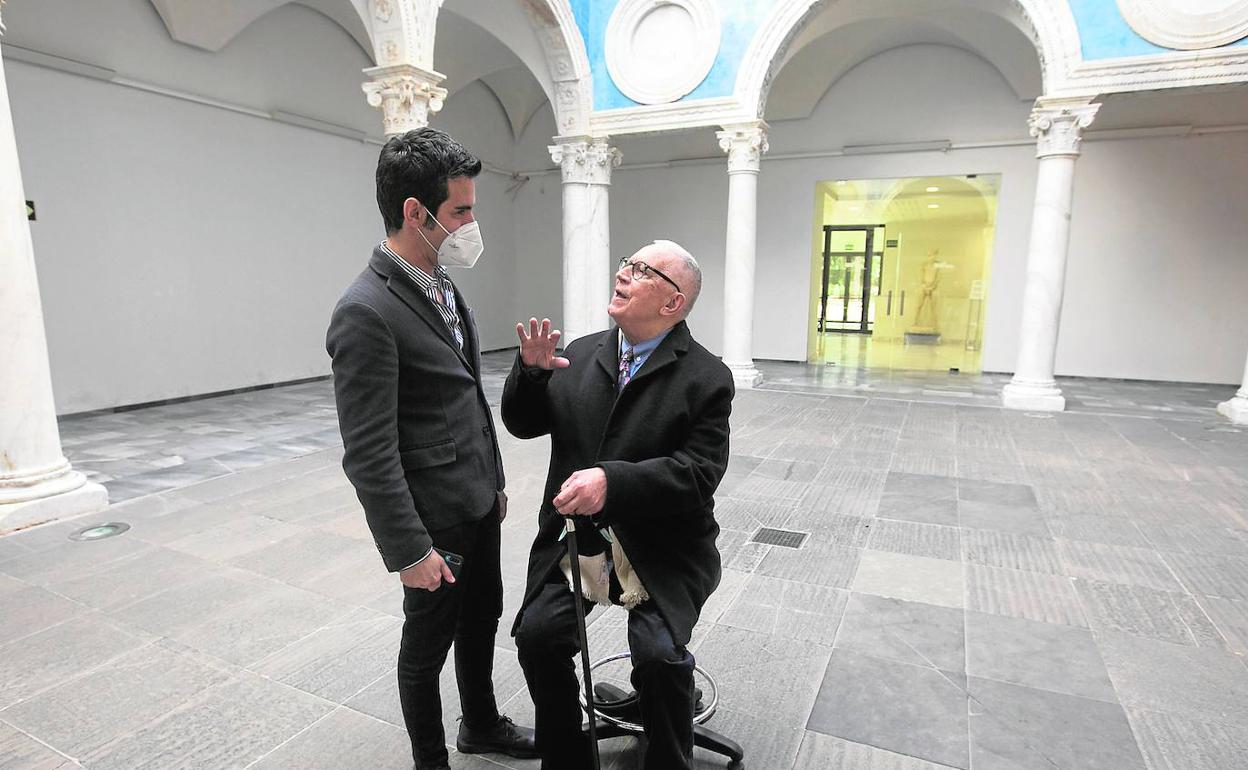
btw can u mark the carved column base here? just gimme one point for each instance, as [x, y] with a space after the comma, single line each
[1236, 409]
[745, 375]
[1033, 397]
[86, 497]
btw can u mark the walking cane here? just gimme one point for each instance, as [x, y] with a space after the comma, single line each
[575, 563]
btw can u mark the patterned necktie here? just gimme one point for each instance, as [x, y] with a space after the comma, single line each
[626, 368]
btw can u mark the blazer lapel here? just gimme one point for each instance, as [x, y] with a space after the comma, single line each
[405, 289]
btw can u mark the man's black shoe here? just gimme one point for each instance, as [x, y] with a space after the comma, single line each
[504, 737]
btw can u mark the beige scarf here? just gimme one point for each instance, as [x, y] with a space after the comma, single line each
[596, 576]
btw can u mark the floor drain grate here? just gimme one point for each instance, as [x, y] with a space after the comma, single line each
[781, 537]
[100, 531]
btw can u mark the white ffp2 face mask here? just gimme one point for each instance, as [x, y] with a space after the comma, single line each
[461, 248]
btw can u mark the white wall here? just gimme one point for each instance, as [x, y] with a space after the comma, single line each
[186, 249]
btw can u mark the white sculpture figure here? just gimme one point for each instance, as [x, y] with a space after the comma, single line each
[925, 321]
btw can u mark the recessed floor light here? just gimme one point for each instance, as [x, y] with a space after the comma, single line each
[100, 531]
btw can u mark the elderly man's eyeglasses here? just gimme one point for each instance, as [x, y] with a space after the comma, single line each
[642, 270]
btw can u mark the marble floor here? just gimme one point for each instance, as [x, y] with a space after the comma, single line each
[978, 588]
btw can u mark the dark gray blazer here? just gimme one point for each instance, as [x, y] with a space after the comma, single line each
[418, 436]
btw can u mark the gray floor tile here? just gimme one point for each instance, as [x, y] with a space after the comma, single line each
[830, 566]
[1230, 617]
[1044, 656]
[1096, 528]
[230, 725]
[786, 609]
[28, 609]
[47, 658]
[911, 578]
[1116, 564]
[907, 537]
[996, 492]
[80, 716]
[1221, 576]
[1173, 742]
[336, 662]
[926, 716]
[19, 751]
[1020, 727]
[1196, 682]
[1161, 615]
[1021, 594]
[1002, 517]
[907, 632]
[825, 752]
[1003, 549]
[927, 510]
[921, 485]
[345, 738]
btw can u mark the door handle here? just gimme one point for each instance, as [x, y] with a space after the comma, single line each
[902, 310]
[888, 309]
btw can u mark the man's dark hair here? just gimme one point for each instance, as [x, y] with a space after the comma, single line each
[417, 165]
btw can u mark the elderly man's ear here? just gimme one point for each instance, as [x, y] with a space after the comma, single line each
[675, 306]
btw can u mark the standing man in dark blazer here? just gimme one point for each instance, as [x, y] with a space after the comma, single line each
[419, 440]
[638, 419]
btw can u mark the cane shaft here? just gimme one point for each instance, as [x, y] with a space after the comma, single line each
[583, 637]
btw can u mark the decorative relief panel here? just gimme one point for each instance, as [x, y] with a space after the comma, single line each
[1187, 25]
[659, 50]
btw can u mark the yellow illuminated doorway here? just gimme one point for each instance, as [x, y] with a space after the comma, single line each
[900, 272]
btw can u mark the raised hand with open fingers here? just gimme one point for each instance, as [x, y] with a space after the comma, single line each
[538, 345]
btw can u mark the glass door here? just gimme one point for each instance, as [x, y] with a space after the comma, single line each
[852, 267]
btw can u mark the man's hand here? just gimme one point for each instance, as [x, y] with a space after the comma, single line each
[428, 574]
[582, 494]
[537, 347]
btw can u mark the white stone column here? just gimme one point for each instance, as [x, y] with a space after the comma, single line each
[37, 483]
[1236, 409]
[406, 94]
[745, 143]
[585, 164]
[1058, 127]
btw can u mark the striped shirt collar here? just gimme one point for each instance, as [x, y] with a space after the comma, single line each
[428, 283]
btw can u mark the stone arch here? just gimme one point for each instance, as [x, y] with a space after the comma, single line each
[567, 60]
[1049, 25]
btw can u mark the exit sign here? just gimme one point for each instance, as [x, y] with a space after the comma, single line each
[30, 210]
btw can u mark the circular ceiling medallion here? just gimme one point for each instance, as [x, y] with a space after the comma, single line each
[659, 50]
[1187, 25]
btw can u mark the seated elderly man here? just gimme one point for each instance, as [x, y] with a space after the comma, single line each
[638, 420]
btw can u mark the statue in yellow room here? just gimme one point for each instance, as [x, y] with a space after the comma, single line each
[925, 318]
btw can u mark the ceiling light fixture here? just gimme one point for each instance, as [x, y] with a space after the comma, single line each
[933, 205]
[933, 189]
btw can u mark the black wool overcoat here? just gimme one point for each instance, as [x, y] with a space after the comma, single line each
[663, 444]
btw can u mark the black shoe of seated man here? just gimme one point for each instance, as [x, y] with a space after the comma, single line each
[504, 737]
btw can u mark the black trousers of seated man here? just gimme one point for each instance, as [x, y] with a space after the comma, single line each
[546, 641]
[466, 612]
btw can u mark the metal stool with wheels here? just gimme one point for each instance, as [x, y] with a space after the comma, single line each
[619, 713]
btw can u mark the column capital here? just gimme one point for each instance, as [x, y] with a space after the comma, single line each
[745, 144]
[1058, 124]
[585, 159]
[406, 94]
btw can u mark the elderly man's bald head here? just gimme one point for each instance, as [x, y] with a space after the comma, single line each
[676, 261]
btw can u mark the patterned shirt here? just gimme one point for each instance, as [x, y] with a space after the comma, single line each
[438, 288]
